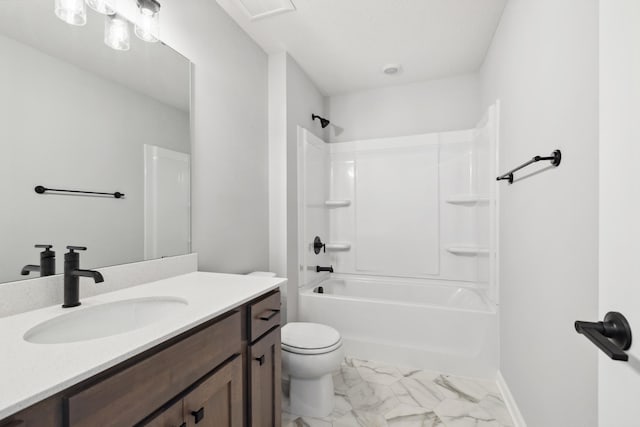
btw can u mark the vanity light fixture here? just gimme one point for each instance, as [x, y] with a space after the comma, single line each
[72, 12]
[104, 7]
[116, 28]
[148, 22]
[116, 32]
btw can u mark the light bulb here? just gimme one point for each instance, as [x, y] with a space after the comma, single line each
[116, 32]
[102, 6]
[72, 12]
[148, 21]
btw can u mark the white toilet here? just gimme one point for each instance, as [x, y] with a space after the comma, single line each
[311, 352]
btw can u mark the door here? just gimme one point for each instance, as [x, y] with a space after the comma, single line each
[217, 402]
[167, 202]
[264, 379]
[619, 281]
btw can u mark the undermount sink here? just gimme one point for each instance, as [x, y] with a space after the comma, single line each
[104, 320]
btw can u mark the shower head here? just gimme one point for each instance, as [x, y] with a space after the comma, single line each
[323, 122]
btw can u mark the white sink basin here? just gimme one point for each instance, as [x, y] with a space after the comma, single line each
[104, 320]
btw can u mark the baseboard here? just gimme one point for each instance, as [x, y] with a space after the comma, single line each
[510, 401]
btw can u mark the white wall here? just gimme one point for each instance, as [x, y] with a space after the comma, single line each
[229, 177]
[619, 382]
[69, 128]
[425, 107]
[293, 98]
[543, 67]
[278, 164]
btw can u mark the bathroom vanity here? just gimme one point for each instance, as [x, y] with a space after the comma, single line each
[214, 363]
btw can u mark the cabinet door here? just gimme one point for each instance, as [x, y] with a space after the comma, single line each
[217, 402]
[171, 417]
[265, 379]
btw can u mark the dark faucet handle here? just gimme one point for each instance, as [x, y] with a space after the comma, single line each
[317, 245]
[43, 246]
[77, 248]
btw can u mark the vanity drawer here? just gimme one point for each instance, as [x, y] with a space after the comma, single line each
[130, 395]
[264, 315]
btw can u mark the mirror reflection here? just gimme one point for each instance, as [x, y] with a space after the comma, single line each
[77, 114]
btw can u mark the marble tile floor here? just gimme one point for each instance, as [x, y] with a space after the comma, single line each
[371, 394]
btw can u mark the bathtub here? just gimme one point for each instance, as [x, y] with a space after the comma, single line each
[442, 327]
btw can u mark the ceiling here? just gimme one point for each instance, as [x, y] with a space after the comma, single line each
[344, 44]
[34, 23]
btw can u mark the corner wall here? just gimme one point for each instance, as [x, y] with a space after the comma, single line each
[543, 66]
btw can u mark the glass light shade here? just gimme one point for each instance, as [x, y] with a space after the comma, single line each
[102, 6]
[148, 25]
[72, 12]
[116, 32]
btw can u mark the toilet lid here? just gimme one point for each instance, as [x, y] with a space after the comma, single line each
[309, 338]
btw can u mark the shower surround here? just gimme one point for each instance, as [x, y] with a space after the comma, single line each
[410, 230]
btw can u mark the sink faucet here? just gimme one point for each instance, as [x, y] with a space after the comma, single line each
[47, 265]
[72, 274]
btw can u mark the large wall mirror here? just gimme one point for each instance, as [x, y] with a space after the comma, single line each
[78, 115]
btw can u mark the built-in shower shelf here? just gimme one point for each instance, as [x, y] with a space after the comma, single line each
[467, 199]
[338, 246]
[337, 203]
[468, 250]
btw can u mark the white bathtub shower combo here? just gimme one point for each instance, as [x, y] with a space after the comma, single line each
[409, 227]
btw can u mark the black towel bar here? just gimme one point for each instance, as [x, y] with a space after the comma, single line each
[41, 190]
[555, 158]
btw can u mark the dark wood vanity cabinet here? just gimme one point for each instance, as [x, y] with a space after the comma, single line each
[224, 373]
[264, 381]
[263, 362]
[173, 416]
[215, 402]
[263, 365]
[46, 413]
[218, 400]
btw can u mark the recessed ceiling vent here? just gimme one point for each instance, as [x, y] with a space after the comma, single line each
[258, 9]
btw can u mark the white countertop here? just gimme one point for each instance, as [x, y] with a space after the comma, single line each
[30, 372]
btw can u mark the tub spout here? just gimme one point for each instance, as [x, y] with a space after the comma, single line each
[319, 269]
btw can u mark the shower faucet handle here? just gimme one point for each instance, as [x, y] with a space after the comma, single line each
[317, 245]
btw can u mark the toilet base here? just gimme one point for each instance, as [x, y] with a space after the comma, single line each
[312, 397]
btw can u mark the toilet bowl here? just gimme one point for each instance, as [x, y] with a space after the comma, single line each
[311, 352]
